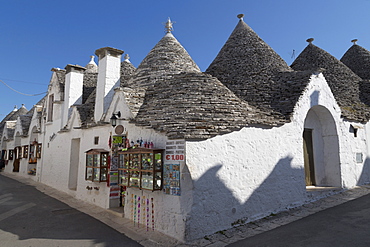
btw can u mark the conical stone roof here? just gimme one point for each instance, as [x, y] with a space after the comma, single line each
[245, 65]
[127, 70]
[167, 57]
[343, 82]
[357, 59]
[195, 105]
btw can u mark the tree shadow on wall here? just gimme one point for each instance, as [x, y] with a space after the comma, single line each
[215, 206]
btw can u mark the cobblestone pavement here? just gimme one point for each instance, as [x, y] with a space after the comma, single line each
[221, 238]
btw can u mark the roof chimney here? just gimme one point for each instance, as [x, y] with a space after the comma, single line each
[109, 72]
[73, 89]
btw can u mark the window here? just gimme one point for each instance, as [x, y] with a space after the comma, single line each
[97, 165]
[96, 140]
[11, 152]
[50, 107]
[141, 168]
[38, 150]
[4, 155]
[18, 152]
[32, 154]
[25, 151]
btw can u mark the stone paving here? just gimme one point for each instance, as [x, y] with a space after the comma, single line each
[219, 239]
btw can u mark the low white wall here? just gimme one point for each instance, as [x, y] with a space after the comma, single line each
[243, 176]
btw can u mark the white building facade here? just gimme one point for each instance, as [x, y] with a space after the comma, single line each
[190, 153]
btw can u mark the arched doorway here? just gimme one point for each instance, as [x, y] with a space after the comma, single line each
[321, 148]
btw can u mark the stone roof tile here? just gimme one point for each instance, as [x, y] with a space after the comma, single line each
[196, 106]
[167, 56]
[245, 65]
[342, 81]
[357, 59]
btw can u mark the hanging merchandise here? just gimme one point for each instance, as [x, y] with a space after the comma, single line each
[138, 212]
[152, 214]
[135, 212]
[143, 206]
[147, 214]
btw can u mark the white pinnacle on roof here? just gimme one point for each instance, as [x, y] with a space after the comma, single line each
[169, 26]
[127, 58]
[92, 67]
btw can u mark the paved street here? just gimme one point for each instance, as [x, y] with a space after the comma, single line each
[347, 224]
[29, 217]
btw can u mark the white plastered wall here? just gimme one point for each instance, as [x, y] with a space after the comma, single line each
[251, 173]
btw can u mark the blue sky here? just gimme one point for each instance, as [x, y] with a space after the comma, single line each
[38, 35]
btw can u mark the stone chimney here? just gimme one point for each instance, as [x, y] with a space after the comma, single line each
[108, 79]
[73, 89]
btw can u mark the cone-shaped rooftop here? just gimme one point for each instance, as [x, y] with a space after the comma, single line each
[343, 82]
[357, 59]
[167, 57]
[245, 64]
[127, 70]
[196, 106]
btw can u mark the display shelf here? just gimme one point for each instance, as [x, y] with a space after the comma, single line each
[141, 168]
[97, 165]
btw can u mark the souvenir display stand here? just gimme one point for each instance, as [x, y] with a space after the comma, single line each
[141, 168]
[97, 165]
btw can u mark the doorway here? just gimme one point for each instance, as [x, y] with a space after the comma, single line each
[321, 149]
[16, 160]
[74, 164]
[309, 164]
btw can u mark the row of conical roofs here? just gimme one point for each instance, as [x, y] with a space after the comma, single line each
[258, 86]
[248, 83]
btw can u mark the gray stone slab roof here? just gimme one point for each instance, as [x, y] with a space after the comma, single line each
[287, 89]
[127, 70]
[25, 122]
[357, 59]
[195, 105]
[12, 116]
[86, 110]
[89, 85]
[61, 74]
[245, 64]
[342, 81]
[167, 56]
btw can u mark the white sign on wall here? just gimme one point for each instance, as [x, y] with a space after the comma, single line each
[175, 150]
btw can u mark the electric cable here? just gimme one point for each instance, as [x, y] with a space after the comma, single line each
[21, 92]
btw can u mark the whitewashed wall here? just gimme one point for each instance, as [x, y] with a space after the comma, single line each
[249, 174]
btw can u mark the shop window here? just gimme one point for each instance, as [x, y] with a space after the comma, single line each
[25, 151]
[11, 153]
[18, 152]
[38, 150]
[97, 165]
[141, 168]
[34, 152]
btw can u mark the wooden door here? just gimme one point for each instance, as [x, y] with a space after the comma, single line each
[16, 165]
[309, 166]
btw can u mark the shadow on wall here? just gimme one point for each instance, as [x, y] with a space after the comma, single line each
[216, 207]
[365, 174]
